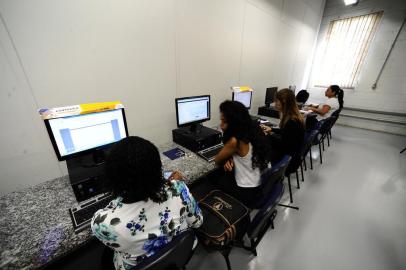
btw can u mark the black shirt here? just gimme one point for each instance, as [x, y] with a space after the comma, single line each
[288, 141]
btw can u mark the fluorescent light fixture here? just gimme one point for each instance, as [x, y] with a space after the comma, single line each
[350, 2]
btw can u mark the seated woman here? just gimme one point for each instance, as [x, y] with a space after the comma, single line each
[288, 139]
[334, 101]
[244, 155]
[147, 211]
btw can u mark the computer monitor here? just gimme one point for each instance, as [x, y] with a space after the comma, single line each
[244, 97]
[192, 110]
[270, 95]
[77, 135]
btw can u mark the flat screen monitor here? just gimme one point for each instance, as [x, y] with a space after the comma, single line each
[270, 95]
[243, 97]
[192, 110]
[81, 134]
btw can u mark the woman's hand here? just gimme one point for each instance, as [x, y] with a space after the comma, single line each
[228, 166]
[176, 176]
[266, 129]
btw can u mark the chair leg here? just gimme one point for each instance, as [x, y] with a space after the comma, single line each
[226, 253]
[321, 157]
[322, 140]
[304, 162]
[328, 140]
[311, 159]
[290, 190]
[301, 170]
[253, 249]
[297, 180]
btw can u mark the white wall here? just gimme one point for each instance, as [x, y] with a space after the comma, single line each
[144, 53]
[390, 95]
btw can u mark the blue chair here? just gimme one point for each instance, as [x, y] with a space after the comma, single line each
[271, 176]
[336, 114]
[272, 189]
[174, 255]
[264, 218]
[325, 127]
[310, 137]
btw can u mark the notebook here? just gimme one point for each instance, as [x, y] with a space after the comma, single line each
[174, 153]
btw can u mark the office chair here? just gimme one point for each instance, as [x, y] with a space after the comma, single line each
[324, 129]
[264, 218]
[272, 190]
[307, 149]
[174, 255]
[302, 96]
[336, 114]
[269, 177]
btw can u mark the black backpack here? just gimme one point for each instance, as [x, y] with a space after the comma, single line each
[225, 219]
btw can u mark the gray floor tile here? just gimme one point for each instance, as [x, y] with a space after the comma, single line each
[352, 212]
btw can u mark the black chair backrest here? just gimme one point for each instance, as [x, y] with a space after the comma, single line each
[336, 113]
[302, 96]
[173, 255]
[269, 177]
[256, 226]
[308, 141]
[327, 124]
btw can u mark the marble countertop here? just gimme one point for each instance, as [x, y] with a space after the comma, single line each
[35, 226]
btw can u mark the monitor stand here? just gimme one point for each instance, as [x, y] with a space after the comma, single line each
[86, 174]
[195, 129]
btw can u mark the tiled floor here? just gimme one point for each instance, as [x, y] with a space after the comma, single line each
[352, 212]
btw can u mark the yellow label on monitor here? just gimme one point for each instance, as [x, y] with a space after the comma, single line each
[79, 109]
[245, 88]
[241, 88]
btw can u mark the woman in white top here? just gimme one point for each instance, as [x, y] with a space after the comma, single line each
[244, 155]
[148, 211]
[335, 101]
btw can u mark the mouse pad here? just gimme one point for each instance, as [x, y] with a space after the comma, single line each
[174, 153]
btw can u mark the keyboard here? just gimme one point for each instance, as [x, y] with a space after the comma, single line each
[209, 153]
[82, 214]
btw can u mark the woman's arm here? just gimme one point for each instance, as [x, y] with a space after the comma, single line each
[229, 149]
[321, 111]
[194, 217]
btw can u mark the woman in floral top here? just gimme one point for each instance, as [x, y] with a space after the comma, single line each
[147, 211]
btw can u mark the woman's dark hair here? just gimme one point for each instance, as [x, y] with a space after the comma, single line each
[240, 126]
[339, 94]
[134, 170]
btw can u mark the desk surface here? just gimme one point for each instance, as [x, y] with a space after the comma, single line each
[35, 226]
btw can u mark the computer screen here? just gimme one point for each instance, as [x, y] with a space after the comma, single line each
[82, 133]
[243, 97]
[270, 95]
[192, 110]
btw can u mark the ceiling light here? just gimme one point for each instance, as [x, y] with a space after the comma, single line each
[350, 2]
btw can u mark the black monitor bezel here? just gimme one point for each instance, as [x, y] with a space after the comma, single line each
[240, 102]
[273, 98]
[84, 152]
[194, 122]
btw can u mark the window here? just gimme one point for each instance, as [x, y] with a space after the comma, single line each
[341, 54]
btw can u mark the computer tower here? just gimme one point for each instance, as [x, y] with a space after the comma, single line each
[202, 138]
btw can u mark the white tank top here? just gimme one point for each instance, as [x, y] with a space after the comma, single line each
[245, 175]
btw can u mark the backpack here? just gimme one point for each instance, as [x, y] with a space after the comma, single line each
[225, 219]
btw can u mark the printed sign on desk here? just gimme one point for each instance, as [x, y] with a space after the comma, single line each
[241, 88]
[79, 109]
